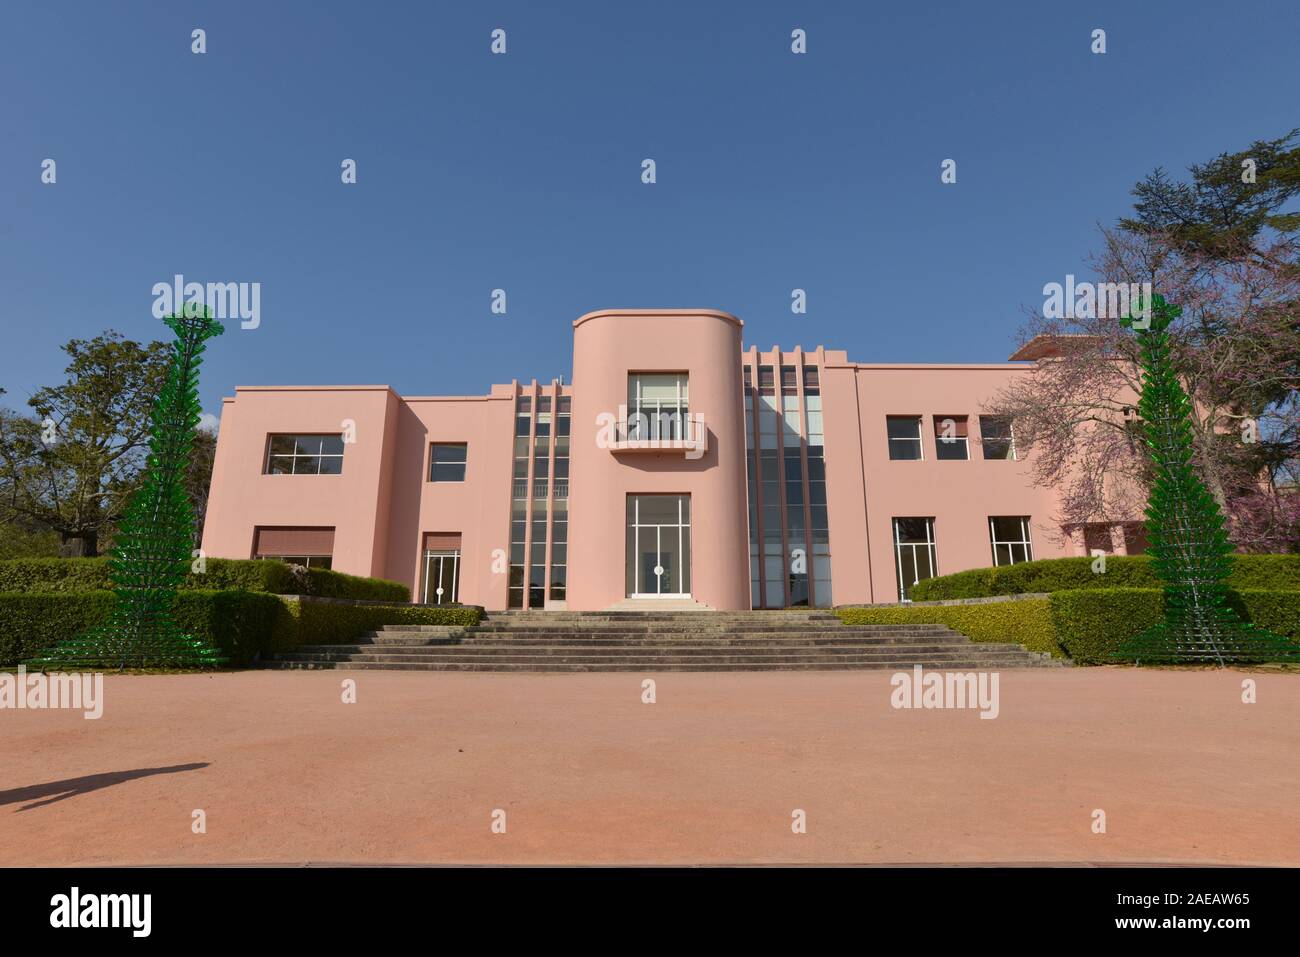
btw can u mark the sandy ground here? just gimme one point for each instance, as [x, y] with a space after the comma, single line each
[711, 773]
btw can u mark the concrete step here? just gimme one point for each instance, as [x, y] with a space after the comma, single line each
[739, 641]
[662, 640]
[627, 651]
[655, 666]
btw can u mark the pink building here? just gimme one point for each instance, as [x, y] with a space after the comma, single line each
[676, 467]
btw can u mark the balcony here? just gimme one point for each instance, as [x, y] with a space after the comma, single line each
[561, 489]
[655, 429]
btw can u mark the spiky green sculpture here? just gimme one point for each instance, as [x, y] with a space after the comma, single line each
[152, 549]
[1189, 548]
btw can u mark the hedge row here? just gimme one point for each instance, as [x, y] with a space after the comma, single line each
[1084, 624]
[1091, 623]
[324, 623]
[243, 624]
[1281, 572]
[240, 623]
[219, 574]
[1027, 622]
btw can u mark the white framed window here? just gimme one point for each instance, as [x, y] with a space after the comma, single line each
[441, 576]
[1009, 537]
[904, 437]
[447, 461]
[657, 406]
[658, 546]
[997, 438]
[951, 442]
[304, 454]
[915, 557]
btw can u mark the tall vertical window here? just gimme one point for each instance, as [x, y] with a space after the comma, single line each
[996, 437]
[441, 584]
[914, 553]
[950, 437]
[519, 504]
[755, 553]
[1009, 536]
[562, 428]
[447, 462]
[658, 545]
[657, 406]
[904, 436]
[560, 550]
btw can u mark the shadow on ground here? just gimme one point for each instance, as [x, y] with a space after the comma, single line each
[71, 787]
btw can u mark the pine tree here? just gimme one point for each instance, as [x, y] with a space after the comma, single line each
[151, 553]
[1189, 548]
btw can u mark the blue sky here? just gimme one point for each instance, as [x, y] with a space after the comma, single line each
[523, 171]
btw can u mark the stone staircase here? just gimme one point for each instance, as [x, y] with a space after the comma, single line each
[568, 641]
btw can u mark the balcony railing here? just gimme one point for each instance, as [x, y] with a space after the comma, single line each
[561, 489]
[657, 428]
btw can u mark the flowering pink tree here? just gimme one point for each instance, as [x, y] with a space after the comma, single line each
[1223, 252]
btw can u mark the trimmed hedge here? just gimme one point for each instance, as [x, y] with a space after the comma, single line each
[243, 624]
[220, 574]
[1085, 624]
[324, 583]
[240, 623]
[1090, 623]
[1027, 622]
[1276, 572]
[326, 623]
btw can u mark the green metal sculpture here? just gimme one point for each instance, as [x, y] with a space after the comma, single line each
[1189, 548]
[152, 549]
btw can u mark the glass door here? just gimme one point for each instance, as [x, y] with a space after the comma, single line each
[442, 577]
[658, 546]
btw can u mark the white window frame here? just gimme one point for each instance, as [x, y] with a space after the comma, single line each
[920, 432]
[1011, 438]
[1027, 542]
[928, 544]
[443, 553]
[294, 455]
[683, 528]
[940, 442]
[679, 411]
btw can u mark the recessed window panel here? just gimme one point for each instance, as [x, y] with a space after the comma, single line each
[447, 462]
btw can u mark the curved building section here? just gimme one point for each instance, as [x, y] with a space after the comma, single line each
[659, 448]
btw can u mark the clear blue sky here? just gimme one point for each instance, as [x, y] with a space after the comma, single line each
[522, 171]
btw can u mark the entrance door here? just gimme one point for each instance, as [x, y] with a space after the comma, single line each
[442, 577]
[658, 546]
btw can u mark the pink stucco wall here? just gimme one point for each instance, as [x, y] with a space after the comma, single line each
[382, 504]
[866, 490]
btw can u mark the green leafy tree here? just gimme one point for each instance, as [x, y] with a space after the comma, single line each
[70, 464]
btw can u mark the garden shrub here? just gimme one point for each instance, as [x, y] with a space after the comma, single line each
[330, 623]
[324, 583]
[219, 574]
[1027, 622]
[1090, 623]
[1122, 571]
[240, 623]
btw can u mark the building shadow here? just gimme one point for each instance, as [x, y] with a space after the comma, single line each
[71, 787]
